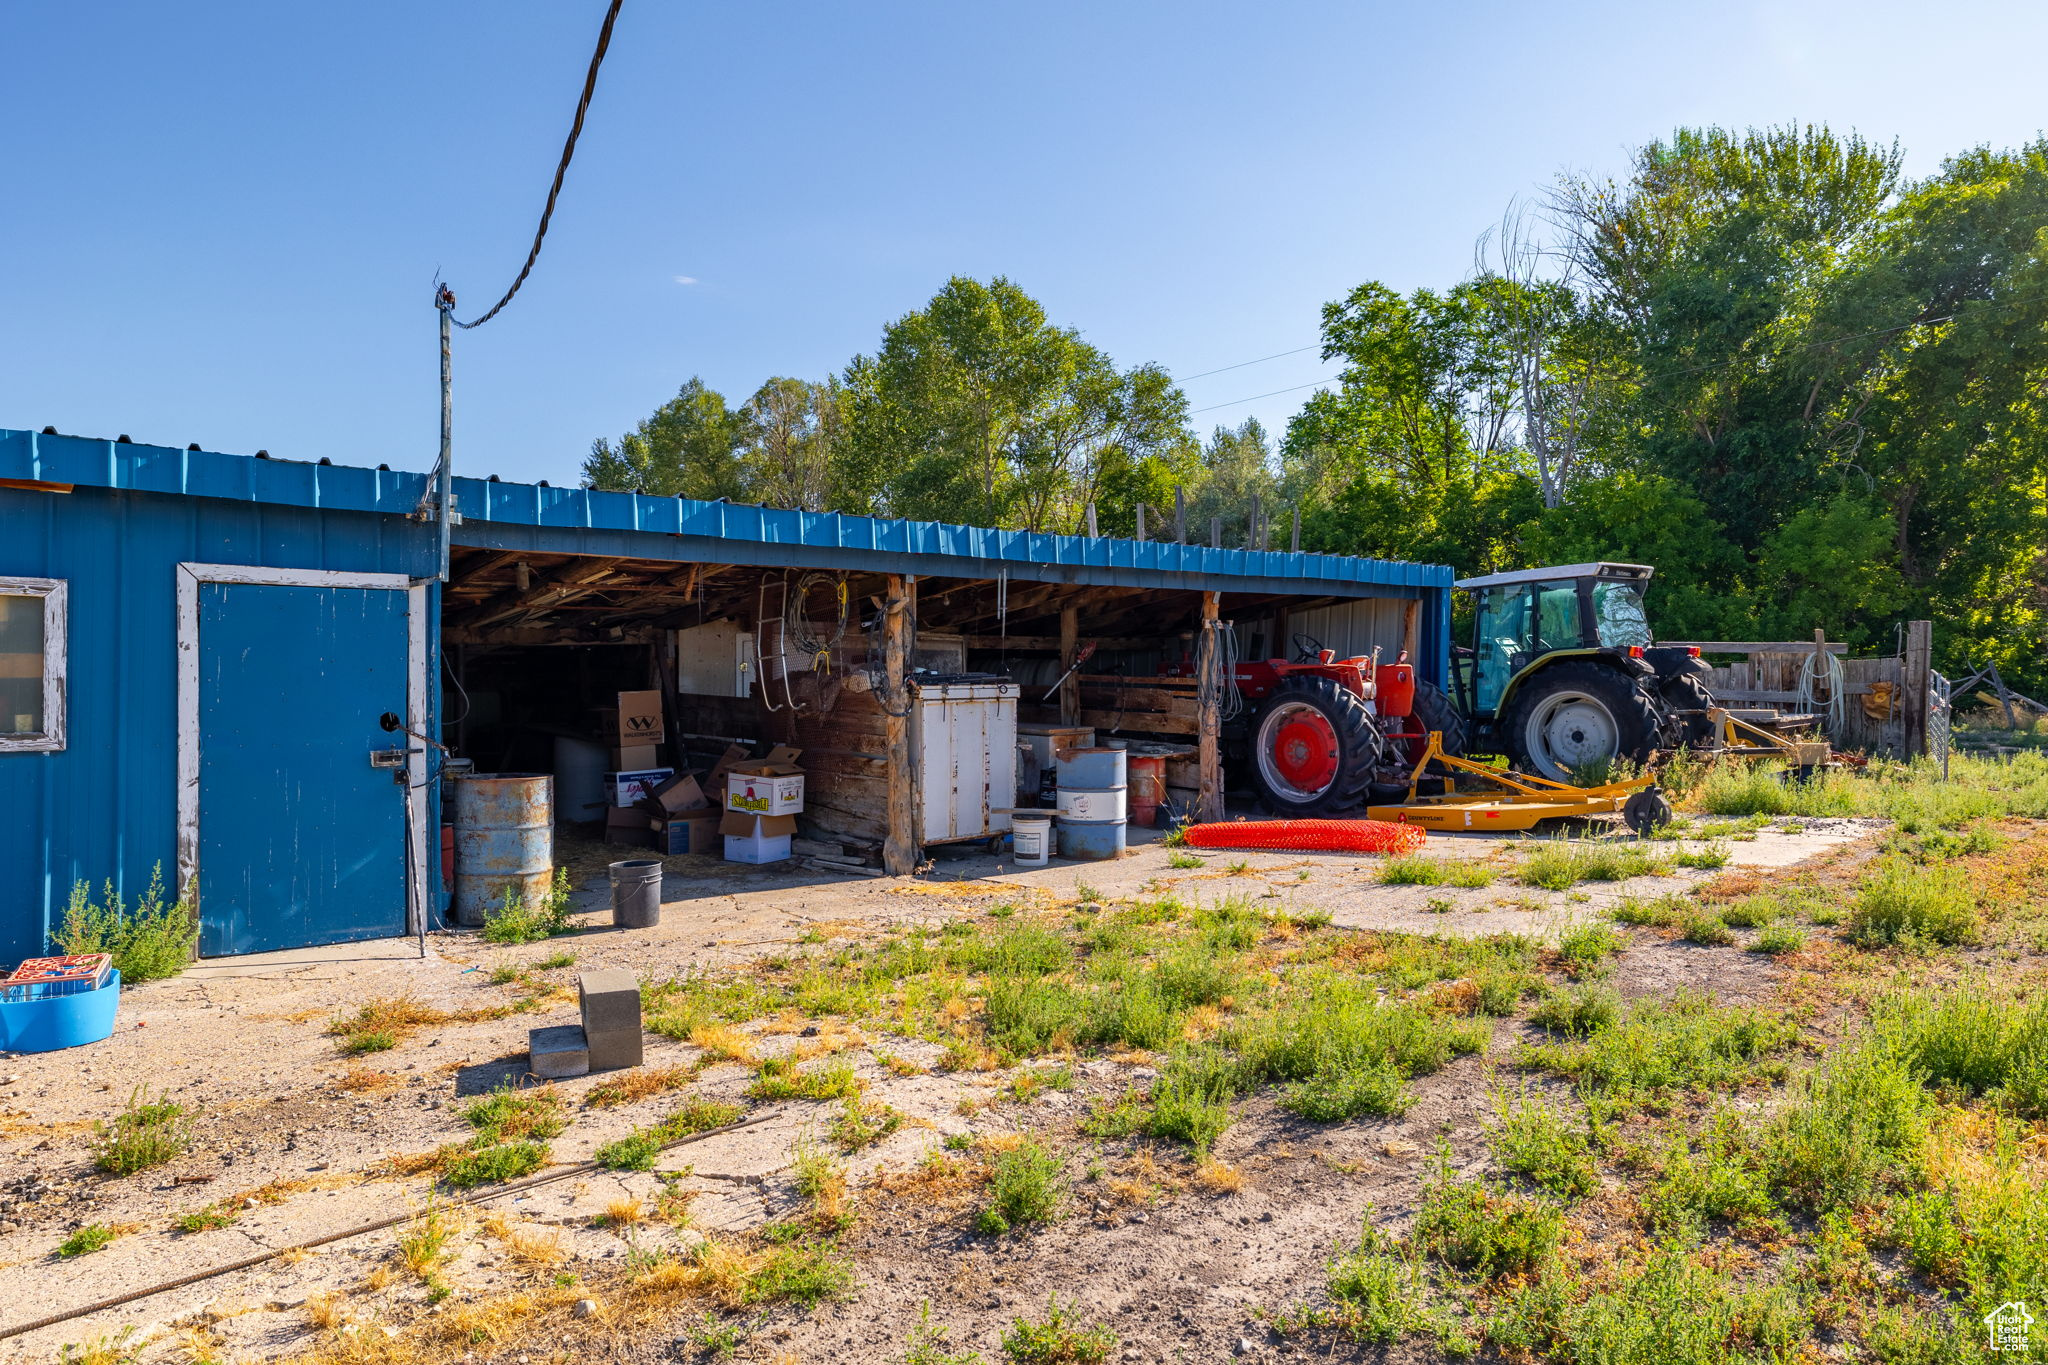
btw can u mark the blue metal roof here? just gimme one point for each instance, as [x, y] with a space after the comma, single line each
[585, 521]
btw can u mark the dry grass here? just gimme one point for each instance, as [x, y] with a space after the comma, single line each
[421, 1163]
[357, 1079]
[379, 1279]
[1217, 1178]
[724, 1042]
[641, 1084]
[532, 1247]
[325, 1313]
[624, 1212]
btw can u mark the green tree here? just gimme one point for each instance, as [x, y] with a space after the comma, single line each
[686, 449]
[976, 408]
[788, 443]
[1237, 465]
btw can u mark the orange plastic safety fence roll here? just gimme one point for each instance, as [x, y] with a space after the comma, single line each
[1317, 836]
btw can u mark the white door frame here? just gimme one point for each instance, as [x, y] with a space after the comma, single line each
[189, 577]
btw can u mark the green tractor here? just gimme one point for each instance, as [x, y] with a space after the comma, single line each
[1563, 676]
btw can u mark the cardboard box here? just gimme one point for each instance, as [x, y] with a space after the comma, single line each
[715, 779]
[629, 825]
[696, 834]
[635, 757]
[630, 788]
[681, 793]
[766, 786]
[756, 838]
[635, 720]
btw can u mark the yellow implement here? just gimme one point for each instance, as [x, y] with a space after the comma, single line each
[1525, 802]
[1740, 739]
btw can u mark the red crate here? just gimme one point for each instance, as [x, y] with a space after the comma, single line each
[48, 970]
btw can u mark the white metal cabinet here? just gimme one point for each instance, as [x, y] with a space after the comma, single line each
[965, 738]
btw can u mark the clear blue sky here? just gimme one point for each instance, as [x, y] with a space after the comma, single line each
[223, 220]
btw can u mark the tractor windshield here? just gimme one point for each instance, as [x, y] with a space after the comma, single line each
[1618, 615]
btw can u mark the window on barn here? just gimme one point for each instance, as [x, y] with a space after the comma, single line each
[31, 664]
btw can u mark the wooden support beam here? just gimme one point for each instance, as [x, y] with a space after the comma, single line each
[1752, 646]
[1209, 718]
[551, 591]
[1917, 668]
[527, 637]
[1411, 634]
[1049, 643]
[900, 849]
[1180, 516]
[1070, 647]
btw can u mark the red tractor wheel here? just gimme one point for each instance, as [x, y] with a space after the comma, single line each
[1313, 747]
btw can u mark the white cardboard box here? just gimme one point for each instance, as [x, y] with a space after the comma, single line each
[625, 789]
[748, 849]
[779, 792]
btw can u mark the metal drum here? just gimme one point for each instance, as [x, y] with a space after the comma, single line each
[1148, 788]
[504, 841]
[1091, 796]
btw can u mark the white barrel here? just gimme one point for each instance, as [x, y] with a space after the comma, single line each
[1092, 803]
[1031, 838]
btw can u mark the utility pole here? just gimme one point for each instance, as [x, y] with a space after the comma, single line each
[444, 473]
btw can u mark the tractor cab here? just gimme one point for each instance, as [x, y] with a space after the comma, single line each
[1527, 614]
[1563, 676]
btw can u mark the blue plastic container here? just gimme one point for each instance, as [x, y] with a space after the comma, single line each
[50, 1022]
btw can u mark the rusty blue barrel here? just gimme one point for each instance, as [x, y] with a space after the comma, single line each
[504, 842]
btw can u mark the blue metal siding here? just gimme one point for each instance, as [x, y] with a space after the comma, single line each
[106, 805]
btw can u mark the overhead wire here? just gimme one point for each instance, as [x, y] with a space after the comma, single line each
[604, 42]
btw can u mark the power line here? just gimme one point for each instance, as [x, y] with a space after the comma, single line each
[1260, 361]
[604, 40]
[1313, 383]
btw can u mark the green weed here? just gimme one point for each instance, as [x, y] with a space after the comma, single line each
[781, 1079]
[1684, 1043]
[1854, 1125]
[1059, 1338]
[492, 1165]
[1183, 861]
[1577, 1012]
[1024, 1187]
[863, 1124]
[1558, 864]
[1471, 1225]
[147, 1132]
[507, 1114]
[518, 920]
[1779, 938]
[637, 1150]
[86, 1240]
[1587, 945]
[148, 942]
[1533, 1140]
[926, 1344]
[1904, 902]
[1413, 869]
[1705, 928]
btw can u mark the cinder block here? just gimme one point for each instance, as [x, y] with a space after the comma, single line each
[611, 1017]
[558, 1051]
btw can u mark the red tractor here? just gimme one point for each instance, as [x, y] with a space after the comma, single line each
[1317, 734]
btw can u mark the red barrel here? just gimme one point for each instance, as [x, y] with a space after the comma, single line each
[1147, 777]
[1395, 689]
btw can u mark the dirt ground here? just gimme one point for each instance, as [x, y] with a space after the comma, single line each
[298, 1140]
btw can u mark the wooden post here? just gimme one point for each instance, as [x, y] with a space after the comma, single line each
[1411, 639]
[1294, 543]
[900, 848]
[1070, 646]
[1180, 515]
[1254, 533]
[1283, 646]
[1918, 663]
[1091, 521]
[1215, 533]
[1141, 521]
[1209, 721]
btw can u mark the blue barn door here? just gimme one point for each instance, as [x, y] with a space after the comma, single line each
[300, 840]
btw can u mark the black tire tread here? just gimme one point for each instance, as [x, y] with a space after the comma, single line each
[1632, 708]
[1433, 708]
[1358, 744]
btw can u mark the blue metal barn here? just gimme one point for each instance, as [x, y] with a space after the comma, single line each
[196, 648]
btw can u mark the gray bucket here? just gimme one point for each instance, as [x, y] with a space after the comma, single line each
[636, 893]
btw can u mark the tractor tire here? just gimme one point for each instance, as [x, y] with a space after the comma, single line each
[1434, 710]
[1574, 716]
[1313, 748]
[1688, 693]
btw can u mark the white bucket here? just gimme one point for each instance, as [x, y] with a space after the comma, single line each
[1031, 837]
[1092, 803]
